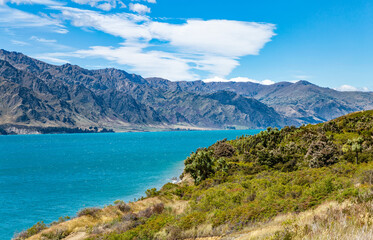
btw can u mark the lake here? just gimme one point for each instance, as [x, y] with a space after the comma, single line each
[43, 177]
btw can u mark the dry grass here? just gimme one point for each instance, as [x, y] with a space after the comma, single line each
[330, 221]
[80, 227]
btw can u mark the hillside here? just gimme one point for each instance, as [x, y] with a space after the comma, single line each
[303, 102]
[311, 182]
[35, 95]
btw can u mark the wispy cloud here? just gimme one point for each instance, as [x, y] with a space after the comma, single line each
[51, 59]
[148, 63]
[105, 5]
[50, 43]
[14, 18]
[302, 77]
[43, 40]
[211, 46]
[41, 2]
[178, 51]
[19, 43]
[149, 1]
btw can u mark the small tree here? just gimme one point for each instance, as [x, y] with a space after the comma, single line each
[321, 152]
[200, 165]
[223, 149]
[354, 146]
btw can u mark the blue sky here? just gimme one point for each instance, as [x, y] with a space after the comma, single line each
[329, 43]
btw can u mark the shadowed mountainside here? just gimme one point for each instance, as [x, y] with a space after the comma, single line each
[34, 94]
[303, 102]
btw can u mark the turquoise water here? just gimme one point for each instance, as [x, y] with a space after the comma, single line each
[43, 177]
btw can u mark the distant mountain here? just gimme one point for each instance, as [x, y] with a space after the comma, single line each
[36, 95]
[301, 102]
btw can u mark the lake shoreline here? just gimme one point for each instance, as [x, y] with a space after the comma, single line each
[50, 130]
[63, 173]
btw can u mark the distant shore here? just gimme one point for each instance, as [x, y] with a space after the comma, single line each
[12, 129]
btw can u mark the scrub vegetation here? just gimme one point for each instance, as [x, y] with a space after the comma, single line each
[311, 182]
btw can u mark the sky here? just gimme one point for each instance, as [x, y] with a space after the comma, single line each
[329, 43]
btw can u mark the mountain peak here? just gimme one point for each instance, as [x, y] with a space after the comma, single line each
[304, 82]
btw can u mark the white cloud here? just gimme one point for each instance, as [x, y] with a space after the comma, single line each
[41, 2]
[302, 77]
[105, 5]
[365, 89]
[149, 63]
[13, 18]
[139, 8]
[212, 46]
[123, 25]
[19, 43]
[349, 88]
[222, 37]
[149, 1]
[51, 43]
[43, 40]
[51, 59]
[239, 79]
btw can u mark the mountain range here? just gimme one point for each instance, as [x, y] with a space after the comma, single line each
[35, 95]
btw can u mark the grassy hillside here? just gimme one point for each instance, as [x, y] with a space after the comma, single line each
[312, 182]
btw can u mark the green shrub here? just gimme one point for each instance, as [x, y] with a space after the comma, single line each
[152, 192]
[38, 227]
[200, 165]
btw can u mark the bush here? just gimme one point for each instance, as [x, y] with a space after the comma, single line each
[321, 153]
[122, 206]
[60, 220]
[367, 177]
[152, 192]
[89, 212]
[38, 227]
[56, 235]
[200, 165]
[223, 149]
[150, 211]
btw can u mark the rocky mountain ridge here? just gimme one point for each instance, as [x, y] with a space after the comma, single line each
[37, 94]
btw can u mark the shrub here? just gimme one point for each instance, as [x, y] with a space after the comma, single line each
[223, 149]
[200, 165]
[93, 211]
[122, 206]
[60, 220]
[129, 217]
[367, 177]
[38, 227]
[56, 235]
[150, 211]
[152, 192]
[321, 153]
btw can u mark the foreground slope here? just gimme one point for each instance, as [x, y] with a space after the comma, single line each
[312, 182]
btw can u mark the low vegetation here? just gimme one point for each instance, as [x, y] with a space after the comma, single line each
[274, 185]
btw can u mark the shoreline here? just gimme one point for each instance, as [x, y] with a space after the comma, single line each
[86, 144]
[135, 131]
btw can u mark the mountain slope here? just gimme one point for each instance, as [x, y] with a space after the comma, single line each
[302, 101]
[71, 96]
